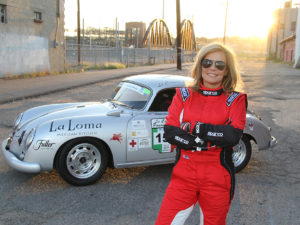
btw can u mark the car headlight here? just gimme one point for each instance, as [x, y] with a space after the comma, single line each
[29, 138]
[18, 120]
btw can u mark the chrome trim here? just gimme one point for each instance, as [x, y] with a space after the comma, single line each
[273, 142]
[17, 164]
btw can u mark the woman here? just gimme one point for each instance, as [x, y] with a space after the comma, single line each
[205, 121]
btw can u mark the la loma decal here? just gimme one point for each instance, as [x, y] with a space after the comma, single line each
[71, 126]
[42, 144]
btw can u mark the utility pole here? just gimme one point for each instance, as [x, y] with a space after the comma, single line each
[225, 25]
[163, 14]
[83, 31]
[178, 47]
[78, 31]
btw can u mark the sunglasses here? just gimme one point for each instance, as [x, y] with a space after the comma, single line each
[220, 65]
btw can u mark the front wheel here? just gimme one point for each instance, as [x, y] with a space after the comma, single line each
[242, 153]
[82, 161]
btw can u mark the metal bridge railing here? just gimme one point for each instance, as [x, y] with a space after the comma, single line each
[98, 55]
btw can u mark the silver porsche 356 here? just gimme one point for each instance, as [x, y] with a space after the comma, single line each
[81, 139]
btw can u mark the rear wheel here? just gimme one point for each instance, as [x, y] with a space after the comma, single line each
[242, 153]
[82, 161]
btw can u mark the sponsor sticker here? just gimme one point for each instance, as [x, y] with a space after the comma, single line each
[184, 93]
[66, 134]
[231, 98]
[117, 137]
[213, 93]
[181, 140]
[42, 144]
[144, 143]
[157, 136]
[73, 126]
[138, 124]
[166, 147]
[157, 123]
[146, 91]
[139, 133]
[250, 124]
[214, 134]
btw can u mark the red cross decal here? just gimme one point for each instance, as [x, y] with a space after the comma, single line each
[132, 143]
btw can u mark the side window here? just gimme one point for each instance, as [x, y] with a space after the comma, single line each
[162, 100]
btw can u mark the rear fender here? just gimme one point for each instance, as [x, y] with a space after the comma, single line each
[258, 132]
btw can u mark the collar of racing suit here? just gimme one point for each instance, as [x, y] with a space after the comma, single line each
[209, 91]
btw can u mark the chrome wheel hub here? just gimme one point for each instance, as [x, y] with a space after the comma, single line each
[84, 160]
[239, 153]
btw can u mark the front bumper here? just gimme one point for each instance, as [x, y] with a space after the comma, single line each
[17, 164]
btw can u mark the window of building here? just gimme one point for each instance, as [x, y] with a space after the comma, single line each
[37, 17]
[3, 13]
[293, 26]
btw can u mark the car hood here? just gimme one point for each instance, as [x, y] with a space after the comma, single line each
[41, 114]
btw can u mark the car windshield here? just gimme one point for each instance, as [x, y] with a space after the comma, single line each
[131, 95]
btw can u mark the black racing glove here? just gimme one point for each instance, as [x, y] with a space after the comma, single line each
[220, 135]
[197, 129]
[184, 140]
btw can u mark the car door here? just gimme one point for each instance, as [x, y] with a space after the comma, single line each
[145, 138]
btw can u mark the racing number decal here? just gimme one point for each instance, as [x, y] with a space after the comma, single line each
[157, 136]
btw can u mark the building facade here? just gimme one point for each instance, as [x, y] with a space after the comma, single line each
[134, 34]
[283, 28]
[287, 49]
[297, 43]
[31, 36]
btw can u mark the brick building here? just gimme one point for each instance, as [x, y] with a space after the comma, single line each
[31, 36]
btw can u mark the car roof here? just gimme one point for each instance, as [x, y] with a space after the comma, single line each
[160, 81]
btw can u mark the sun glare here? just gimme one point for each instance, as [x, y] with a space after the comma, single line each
[252, 18]
[244, 18]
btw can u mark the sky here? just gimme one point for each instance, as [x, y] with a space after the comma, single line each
[245, 18]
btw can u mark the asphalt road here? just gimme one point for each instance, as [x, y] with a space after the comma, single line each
[267, 192]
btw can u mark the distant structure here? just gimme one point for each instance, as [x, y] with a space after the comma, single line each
[188, 39]
[134, 34]
[282, 35]
[157, 35]
[106, 37]
[31, 37]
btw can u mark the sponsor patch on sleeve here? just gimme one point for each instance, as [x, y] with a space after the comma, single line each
[232, 97]
[184, 93]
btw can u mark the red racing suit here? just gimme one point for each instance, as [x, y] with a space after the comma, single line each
[212, 121]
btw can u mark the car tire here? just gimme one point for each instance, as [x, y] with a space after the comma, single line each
[82, 161]
[242, 153]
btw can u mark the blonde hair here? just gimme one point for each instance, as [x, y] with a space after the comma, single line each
[232, 81]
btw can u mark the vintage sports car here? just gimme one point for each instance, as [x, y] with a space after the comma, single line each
[81, 139]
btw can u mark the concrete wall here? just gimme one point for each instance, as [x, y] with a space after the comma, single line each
[29, 46]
